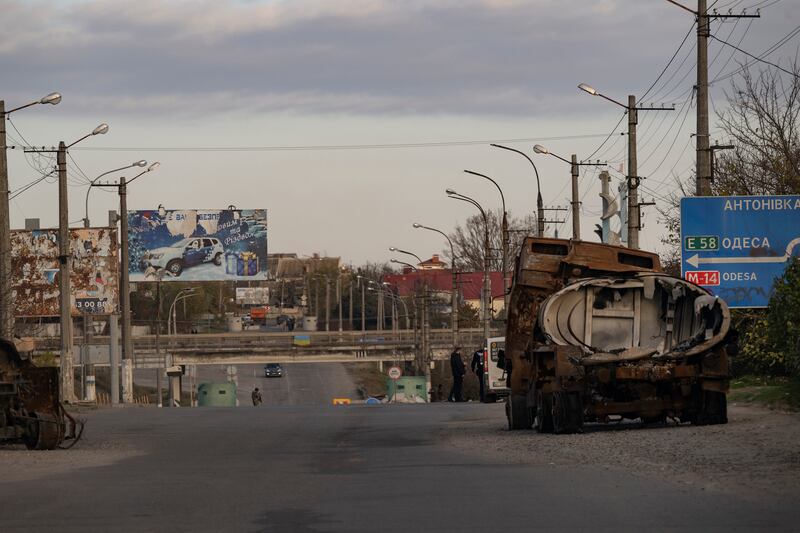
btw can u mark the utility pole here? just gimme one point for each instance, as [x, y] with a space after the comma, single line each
[339, 296]
[159, 401]
[633, 177]
[363, 287]
[350, 300]
[67, 357]
[703, 155]
[703, 171]
[327, 304]
[576, 201]
[125, 290]
[6, 301]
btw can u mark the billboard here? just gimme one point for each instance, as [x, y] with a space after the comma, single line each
[198, 245]
[94, 266]
[252, 295]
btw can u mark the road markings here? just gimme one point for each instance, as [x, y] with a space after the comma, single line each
[696, 260]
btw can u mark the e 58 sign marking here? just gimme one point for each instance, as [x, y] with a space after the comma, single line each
[736, 246]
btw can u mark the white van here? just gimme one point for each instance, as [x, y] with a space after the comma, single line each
[494, 378]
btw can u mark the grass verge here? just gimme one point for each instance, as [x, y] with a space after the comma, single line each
[772, 392]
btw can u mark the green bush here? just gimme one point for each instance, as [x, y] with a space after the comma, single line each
[755, 353]
[783, 318]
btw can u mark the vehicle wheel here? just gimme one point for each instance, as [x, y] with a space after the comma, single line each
[517, 413]
[44, 433]
[218, 259]
[567, 410]
[544, 413]
[175, 267]
[713, 408]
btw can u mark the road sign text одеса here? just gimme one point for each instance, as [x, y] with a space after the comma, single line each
[747, 240]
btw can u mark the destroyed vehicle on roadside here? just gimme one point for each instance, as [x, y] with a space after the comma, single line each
[30, 410]
[597, 333]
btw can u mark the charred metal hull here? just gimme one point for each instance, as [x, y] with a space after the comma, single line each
[597, 332]
[30, 411]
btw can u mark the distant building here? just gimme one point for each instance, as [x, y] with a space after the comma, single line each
[439, 279]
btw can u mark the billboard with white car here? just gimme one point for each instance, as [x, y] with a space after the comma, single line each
[198, 245]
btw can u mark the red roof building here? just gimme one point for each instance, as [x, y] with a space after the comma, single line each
[441, 280]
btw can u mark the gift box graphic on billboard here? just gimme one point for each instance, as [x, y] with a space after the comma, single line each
[198, 245]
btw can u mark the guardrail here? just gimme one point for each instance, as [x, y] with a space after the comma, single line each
[467, 338]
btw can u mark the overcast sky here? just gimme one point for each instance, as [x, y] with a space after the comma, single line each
[304, 90]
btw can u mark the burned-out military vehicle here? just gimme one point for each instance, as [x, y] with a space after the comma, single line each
[30, 411]
[598, 332]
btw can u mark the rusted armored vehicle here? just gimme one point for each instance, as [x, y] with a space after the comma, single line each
[30, 411]
[598, 332]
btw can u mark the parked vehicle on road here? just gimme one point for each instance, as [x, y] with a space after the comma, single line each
[184, 254]
[495, 378]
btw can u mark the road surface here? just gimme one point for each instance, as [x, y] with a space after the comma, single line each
[363, 468]
[301, 384]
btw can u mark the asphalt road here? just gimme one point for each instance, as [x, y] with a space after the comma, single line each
[301, 384]
[351, 468]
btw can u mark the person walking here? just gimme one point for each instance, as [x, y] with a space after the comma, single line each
[477, 368]
[458, 370]
[256, 397]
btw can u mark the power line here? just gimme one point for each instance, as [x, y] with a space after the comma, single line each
[324, 147]
[762, 60]
[688, 33]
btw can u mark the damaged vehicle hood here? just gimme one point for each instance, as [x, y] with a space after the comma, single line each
[634, 317]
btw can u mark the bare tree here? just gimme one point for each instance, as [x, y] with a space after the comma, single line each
[761, 121]
[468, 240]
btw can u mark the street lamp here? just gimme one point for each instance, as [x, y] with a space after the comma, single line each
[506, 244]
[539, 203]
[409, 265]
[487, 294]
[454, 295]
[576, 221]
[125, 298]
[634, 216]
[398, 250]
[140, 163]
[6, 297]
[67, 390]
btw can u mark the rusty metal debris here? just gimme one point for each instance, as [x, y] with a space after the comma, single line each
[30, 411]
[597, 331]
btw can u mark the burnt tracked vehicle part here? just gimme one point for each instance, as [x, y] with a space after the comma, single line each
[30, 412]
[597, 331]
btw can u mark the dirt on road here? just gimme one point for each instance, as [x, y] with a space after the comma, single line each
[756, 455]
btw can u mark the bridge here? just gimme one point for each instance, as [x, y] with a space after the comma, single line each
[279, 347]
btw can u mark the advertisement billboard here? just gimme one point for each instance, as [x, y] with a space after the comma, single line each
[252, 295]
[198, 245]
[94, 266]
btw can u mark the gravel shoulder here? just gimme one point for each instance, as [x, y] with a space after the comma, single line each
[755, 456]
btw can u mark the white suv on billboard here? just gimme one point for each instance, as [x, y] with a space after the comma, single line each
[185, 253]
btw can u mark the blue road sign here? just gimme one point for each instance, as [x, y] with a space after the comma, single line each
[735, 246]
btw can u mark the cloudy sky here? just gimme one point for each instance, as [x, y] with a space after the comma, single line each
[347, 119]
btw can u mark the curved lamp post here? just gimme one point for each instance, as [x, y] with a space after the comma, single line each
[539, 203]
[140, 163]
[506, 243]
[454, 296]
[6, 296]
[576, 212]
[487, 294]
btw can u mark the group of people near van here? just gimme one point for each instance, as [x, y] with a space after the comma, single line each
[459, 370]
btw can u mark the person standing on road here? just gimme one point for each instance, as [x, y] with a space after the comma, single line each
[458, 369]
[477, 368]
[256, 396]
